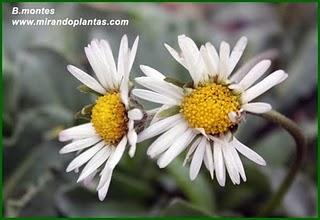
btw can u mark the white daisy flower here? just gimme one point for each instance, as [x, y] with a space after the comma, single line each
[101, 143]
[201, 116]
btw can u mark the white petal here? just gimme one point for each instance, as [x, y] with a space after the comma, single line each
[267, 83]
[237, 53]
[133, 52]
[161, 87]
[80, 131]
[212, 52]
[103, 190]
[86, 79]
[159, 127]
[150, 72]
[192, 58]
[238, 162]
[247, 152]
[209, 158]
[96, 65]
[197, 159]
[163, 142]
[154, 97]
[223, 67]
[117, 153]
[176, 148]
[100, 64]
[230, 164]
[257, 107]
[176, 55]
[123, 56]
[104, 175]
[192, 148]
[219, 164]
[135, 114]
[110, 59]
[79, 144]
[84, 157]
[209, 61]
[96, 161]
[132, 138]
[254, 74]
[156, 113]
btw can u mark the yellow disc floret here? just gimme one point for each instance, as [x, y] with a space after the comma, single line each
[208, 107]
[109, 117]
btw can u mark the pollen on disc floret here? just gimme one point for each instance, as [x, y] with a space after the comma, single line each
[208, 107]
[109, 117]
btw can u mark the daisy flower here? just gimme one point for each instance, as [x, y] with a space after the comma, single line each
[202, 116]
[101, 143]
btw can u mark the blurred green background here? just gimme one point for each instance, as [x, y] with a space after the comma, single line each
[40, 98]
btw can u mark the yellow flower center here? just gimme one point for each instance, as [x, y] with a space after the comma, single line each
[208, 107]
[109, 117]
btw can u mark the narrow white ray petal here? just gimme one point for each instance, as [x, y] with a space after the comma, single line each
[266, 84]
[100, 61]
[209, 158]
[163, 142]
[212, 52]
[96, 66]
[257, 107]
[79, 144]
[117, 153]
[95, 162]
[150, 72]
[122, 56]
[89, 181]
[156, 116]
[223, 67]
[247, 152]
[159, 127]
[133, 52]
[176, 148]
[197, 159]
[219, 164]
[84, 157]
[192, 148]
[238, 162]
[176, 55]
[80, 131]
[155, 97]
[135, 114]
[124, 93]
[132, 138]
[86, 79]
[103, 190]
[192, 57]
[236, 53]
[104, 174]
[254, 74]
[230, 164]
[110, 59]
[209, 61]
[161, 87]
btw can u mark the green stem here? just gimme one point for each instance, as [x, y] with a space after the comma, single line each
[300, 140]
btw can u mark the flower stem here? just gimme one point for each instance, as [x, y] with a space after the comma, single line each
[300, 140]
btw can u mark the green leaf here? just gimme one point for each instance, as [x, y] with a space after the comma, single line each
[181, 208]
[169, 111]
[199, 191]
[174, 81]
[87, 90]
[79, 202]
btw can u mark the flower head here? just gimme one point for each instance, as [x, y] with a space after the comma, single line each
[101, 142]
[201, 116]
